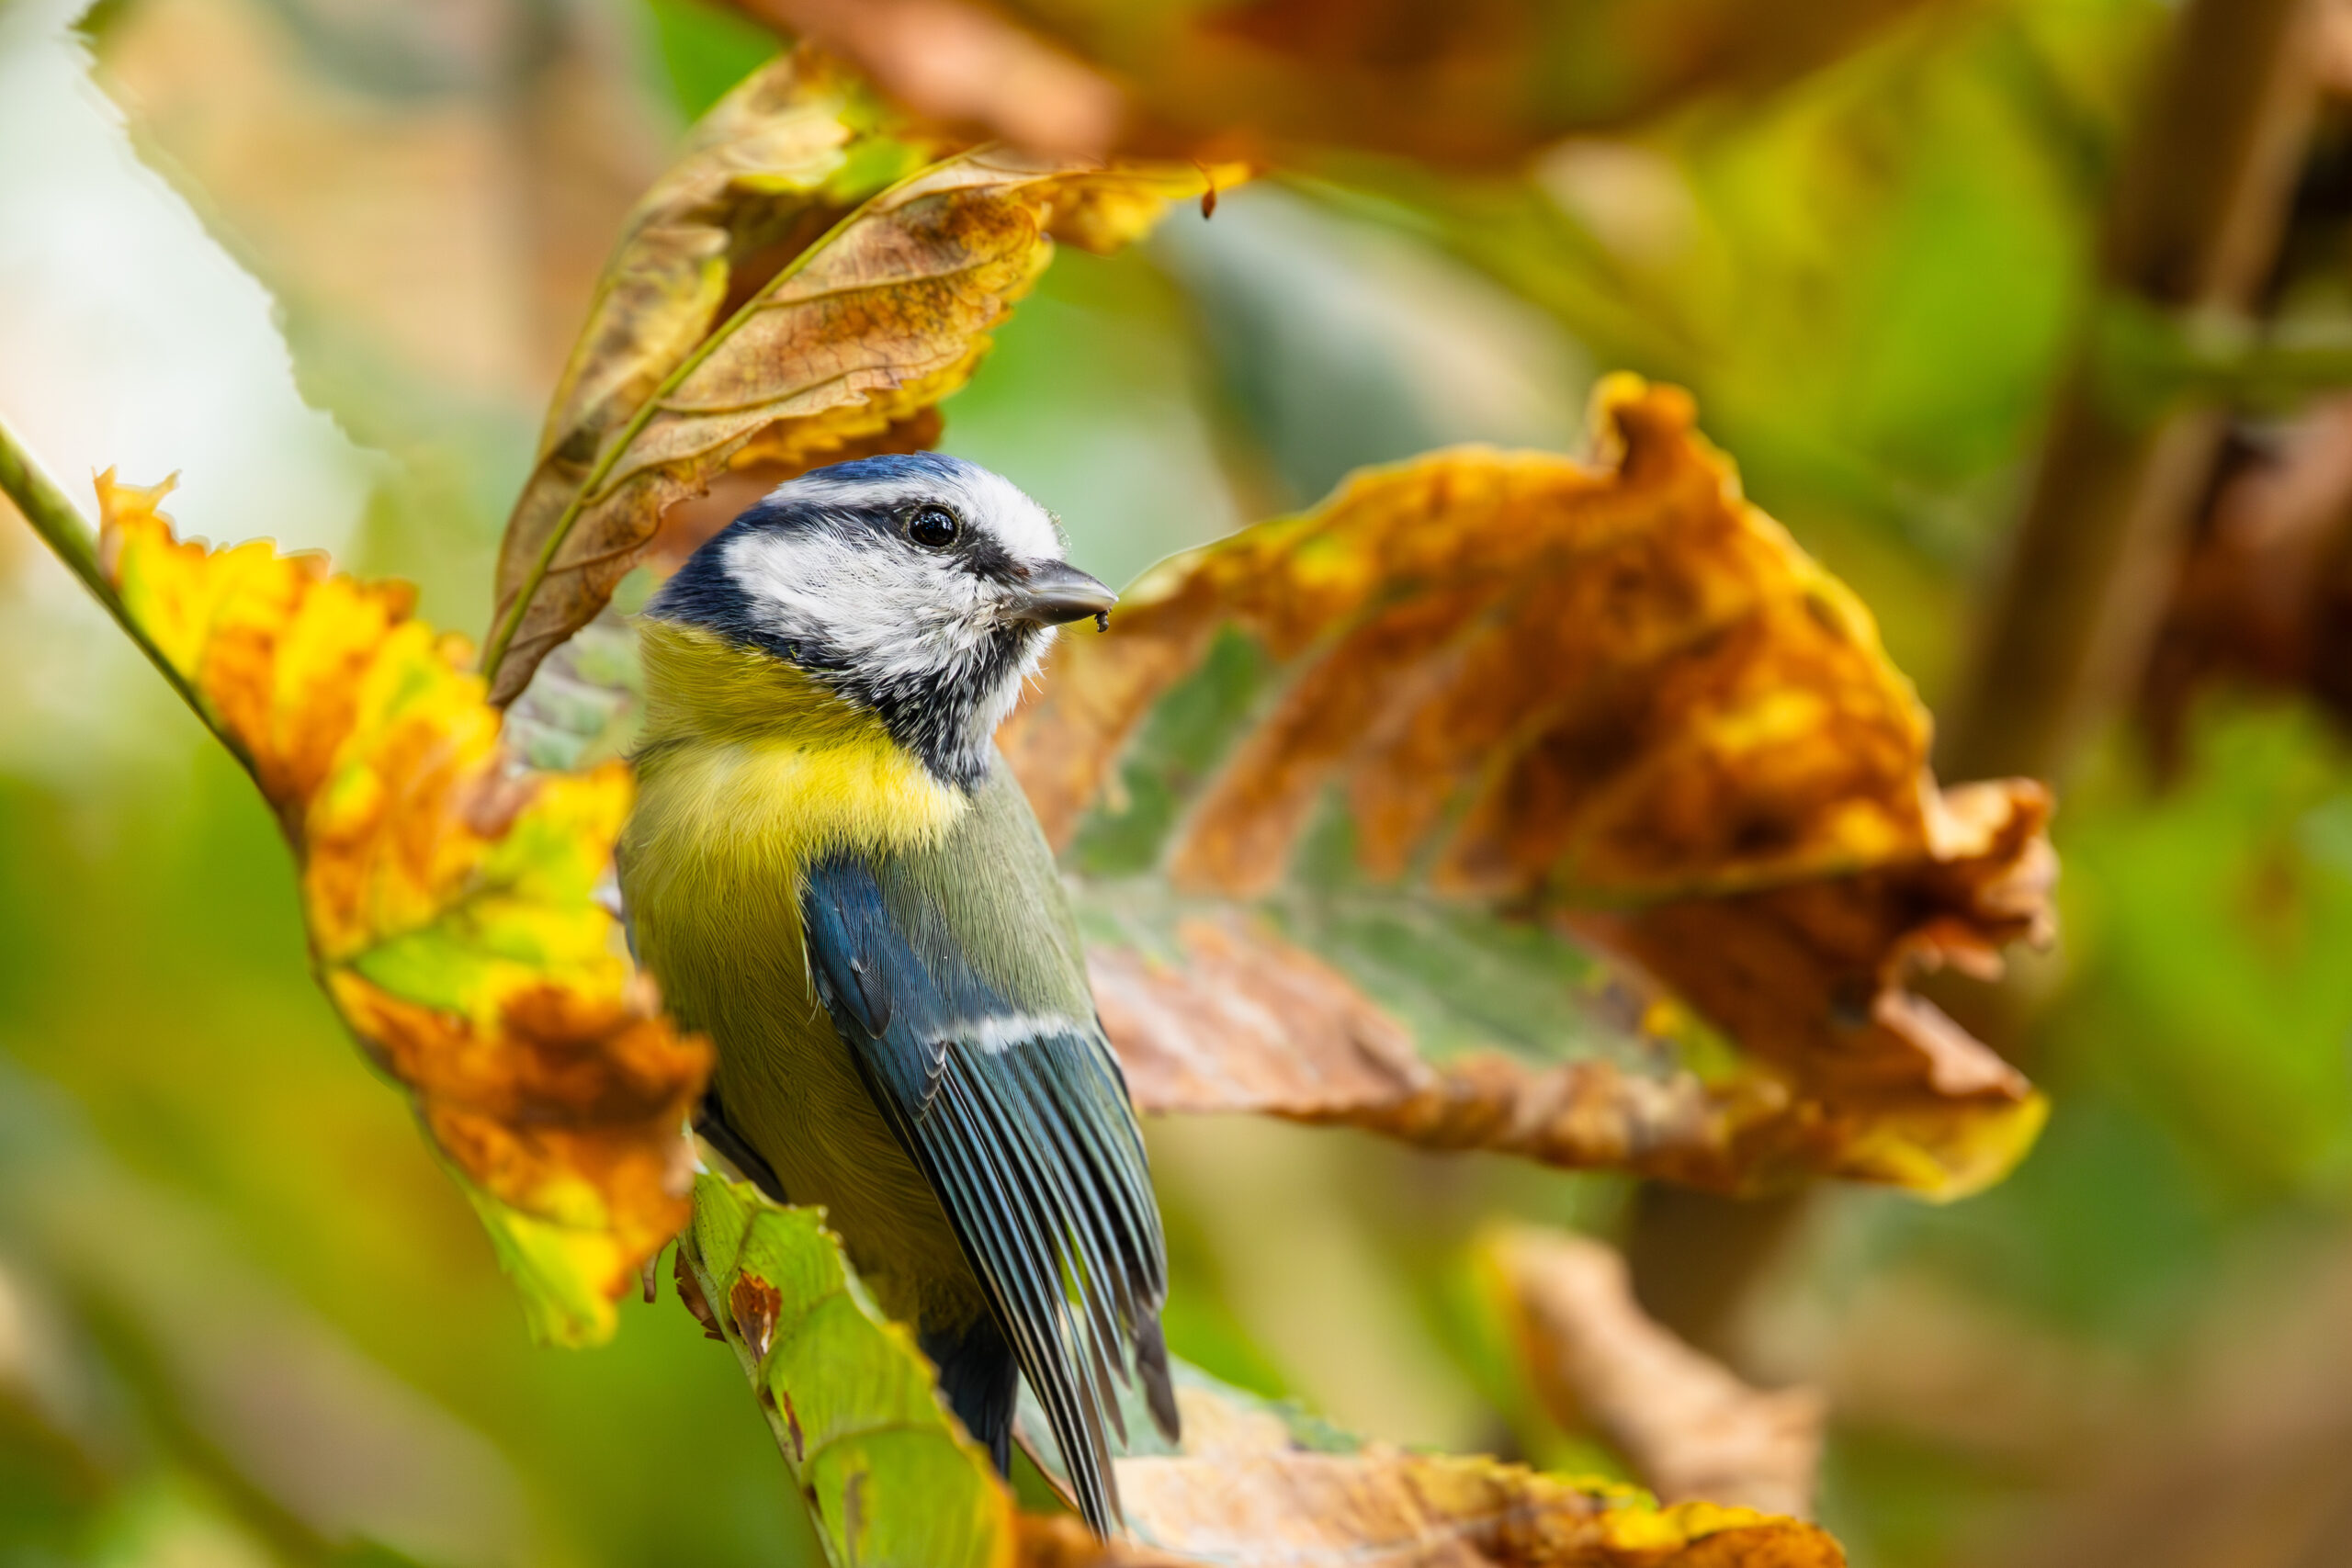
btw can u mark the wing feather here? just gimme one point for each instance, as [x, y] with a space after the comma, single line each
[1019, 1117]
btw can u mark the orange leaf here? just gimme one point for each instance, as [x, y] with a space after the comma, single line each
[450, 899]
[1357, 793]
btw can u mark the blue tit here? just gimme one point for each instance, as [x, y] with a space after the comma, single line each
[833, 877]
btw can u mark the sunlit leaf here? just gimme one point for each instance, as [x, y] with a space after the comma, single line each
[1689, 1428]
[891, 1479]
[1356, 794]
[450, 899]
[802, 288]
[1253, 1485]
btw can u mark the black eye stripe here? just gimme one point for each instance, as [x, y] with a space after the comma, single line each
[983, 557]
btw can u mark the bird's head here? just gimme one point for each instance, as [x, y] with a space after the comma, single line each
[921, 588]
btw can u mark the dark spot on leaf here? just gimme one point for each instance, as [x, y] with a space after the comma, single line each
[754, 1305]
[580, 446]
[792, 1426]
[690, 1292]
[854, 1512]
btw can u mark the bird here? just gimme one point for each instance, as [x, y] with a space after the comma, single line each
[832, 874]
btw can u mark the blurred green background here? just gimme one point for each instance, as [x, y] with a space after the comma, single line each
[326, 268]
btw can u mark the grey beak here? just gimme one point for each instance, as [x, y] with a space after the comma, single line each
[1053, 593]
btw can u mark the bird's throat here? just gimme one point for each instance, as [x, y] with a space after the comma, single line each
[744, 754]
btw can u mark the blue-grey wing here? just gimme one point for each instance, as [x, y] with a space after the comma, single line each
[1010, 1102]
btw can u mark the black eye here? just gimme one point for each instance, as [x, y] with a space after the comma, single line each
[934, 527]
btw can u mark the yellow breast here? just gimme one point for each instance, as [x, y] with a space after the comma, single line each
[748, 771]
[748, 765]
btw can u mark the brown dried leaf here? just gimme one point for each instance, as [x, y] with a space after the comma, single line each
[962, 65]
[1484, 81]
[1240, 1021]
[1349, 779]
[800, 291]
[1247, 1489]
[1689, 1428]
[892, 1478]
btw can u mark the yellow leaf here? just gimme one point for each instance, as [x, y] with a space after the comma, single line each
[1350, 779]
[802, 290]
[450, 899]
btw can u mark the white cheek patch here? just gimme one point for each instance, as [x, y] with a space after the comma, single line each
[998, 705]
[895, 617]
[916, 634]
[882, 610]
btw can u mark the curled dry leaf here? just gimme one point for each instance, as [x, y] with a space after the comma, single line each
[1478, 805]
[1485, 82]
[1255, 1482]
[804, 287]
[449, 899]
[1689, 1428]
[892, 1478]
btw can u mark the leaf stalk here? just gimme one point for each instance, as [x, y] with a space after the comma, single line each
[74, 541]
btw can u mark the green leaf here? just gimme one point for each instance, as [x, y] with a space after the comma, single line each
[890, 1478]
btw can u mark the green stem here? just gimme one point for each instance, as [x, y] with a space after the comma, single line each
[68, 534]
[54, 518]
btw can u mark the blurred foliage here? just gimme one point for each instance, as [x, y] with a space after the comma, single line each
[1866, 271]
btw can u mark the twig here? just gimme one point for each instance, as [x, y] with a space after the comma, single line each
[69, 534]
[60, 525]
[2192, 228]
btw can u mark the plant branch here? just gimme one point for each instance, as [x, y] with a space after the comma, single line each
[2191, 231]
[60, 525]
